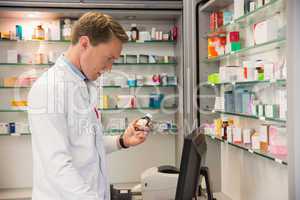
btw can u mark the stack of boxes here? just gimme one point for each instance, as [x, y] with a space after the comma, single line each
[240, 100]
[218, 19]
[13, 128]
[266, 138]
[234, 43]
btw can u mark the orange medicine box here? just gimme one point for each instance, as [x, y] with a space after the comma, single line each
[20, 103]
[10, 81]
[264, 137]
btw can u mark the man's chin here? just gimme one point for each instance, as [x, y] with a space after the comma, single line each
[95, 77]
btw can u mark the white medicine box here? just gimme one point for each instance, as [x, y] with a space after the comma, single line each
[12, 56]
[4, 128]
[238, 8]
[265, 31]
[255, 141]
[264, 134]
[247, 136]
[237, 135]
[230, 134]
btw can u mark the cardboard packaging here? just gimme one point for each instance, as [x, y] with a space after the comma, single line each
[238, 8]
[237, 135]
[265, 31]
[264, 137]
[255, 141]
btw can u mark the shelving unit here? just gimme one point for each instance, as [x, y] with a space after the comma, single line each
[146, 64]
[107, 87]
[137, 109]
[215, 5]
[12, 110]
[252, 116]
[141, 65]
[235, 165]
[120, 131]
[16, 87]
[23, 65]
[18, 146]
[279, 82]
[16, 134]
[68, 42]
[172, 131]
[255, 49]
[278, 159]
[143, 86]
[259, 14]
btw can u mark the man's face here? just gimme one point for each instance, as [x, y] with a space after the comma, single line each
[95, 60]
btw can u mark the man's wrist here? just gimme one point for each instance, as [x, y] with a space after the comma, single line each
[122, 142]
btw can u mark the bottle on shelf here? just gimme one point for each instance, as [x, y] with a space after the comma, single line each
[39, 33]
[67, 29]
[225, 124]
[134, 33]
[19, 34]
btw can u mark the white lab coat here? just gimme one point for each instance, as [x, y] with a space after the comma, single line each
[69, 149]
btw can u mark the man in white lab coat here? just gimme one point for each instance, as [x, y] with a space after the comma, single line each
[69, 149]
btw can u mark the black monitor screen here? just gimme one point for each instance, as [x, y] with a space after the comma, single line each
[194, 148]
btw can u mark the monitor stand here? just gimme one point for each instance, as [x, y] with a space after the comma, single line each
[205, 172]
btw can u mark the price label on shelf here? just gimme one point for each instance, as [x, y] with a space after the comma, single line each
[250, 151]
[273, 81]
[233, 83]
[278, 161]
[213, 137]
[262, 118]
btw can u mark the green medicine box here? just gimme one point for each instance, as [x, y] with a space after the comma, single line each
[272, 111]
[235, 46]
[213, 78]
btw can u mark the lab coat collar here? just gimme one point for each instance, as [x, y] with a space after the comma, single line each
[73, 68]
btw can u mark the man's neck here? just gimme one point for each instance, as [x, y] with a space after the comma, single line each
[72, 55]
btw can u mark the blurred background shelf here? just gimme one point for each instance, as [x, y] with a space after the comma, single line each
[137, 109]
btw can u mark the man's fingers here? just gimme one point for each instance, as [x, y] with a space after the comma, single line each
[141, 133]
[142, 139]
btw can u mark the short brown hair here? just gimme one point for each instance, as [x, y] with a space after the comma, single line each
[99, 27]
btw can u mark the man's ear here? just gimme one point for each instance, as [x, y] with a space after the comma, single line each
[84, 42]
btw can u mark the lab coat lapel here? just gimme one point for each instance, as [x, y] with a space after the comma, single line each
[93, 96]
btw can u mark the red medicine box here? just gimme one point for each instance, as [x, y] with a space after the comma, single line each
[219, 20]
[212, 24]
[234, 36]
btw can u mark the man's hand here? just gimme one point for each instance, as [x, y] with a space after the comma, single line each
[135, 135]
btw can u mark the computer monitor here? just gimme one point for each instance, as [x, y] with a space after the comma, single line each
[194, 149]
